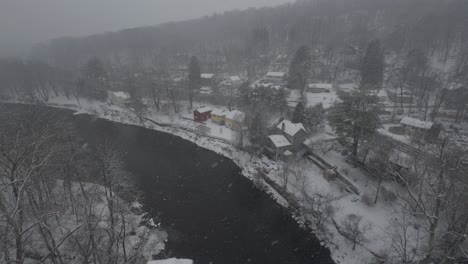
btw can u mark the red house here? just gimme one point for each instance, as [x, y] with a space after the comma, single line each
[202, 114]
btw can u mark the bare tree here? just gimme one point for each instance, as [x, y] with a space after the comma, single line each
[320, 207]
[429, 190]
[404, 236]
[355, 229]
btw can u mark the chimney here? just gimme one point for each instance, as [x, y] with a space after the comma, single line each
[283, 126]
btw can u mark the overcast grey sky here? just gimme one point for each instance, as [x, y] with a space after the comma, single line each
[25, 22]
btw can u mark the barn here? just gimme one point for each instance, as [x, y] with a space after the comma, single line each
[202, 114]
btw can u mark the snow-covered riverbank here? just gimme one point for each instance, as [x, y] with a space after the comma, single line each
[340, 247]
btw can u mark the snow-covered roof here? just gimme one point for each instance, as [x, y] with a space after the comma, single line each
[171, 261]
[348, 86]
[290, 128]
[204, 109]
[207, 75]
[279, 141]
[409, 121]
[276, 74]
[218, 112]
[234, 78]
[236, 115]
[455, 86]
[206, 90]
[320, 85]
[121, 94]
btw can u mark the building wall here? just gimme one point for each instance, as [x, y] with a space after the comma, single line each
[233, 124]
[200, 117]
[273, 150]
[218, 119]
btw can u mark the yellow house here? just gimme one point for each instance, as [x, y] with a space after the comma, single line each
[235, 120]
[218, 116]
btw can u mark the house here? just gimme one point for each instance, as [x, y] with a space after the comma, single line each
[206, 90]
[275, 77]
[413, 125]
[295, 133]
[319, 87]
[218, 116]
[208, 79]
[235, 80]
[202, 114]
[118, 98]
[399, 96]
[278, 146]
[235, 120]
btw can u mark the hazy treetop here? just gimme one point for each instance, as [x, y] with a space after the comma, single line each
[25, 22]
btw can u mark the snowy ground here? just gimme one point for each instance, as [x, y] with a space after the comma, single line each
[326, 99]
[139, 239]
[312, 183]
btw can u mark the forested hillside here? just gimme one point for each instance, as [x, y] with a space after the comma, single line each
[331, 26]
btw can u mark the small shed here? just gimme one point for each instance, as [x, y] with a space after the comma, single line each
[202, 114]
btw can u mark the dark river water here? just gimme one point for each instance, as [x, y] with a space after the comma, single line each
[211, 212]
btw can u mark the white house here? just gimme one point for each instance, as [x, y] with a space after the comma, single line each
[118, 98]
[208, 79]
[275, 76]
[416, 125]
[235, 79]
[207, 75]
[206, 90]
[278, 145]
[294, 132]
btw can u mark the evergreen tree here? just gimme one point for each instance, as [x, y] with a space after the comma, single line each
[260, 41]
[372, 68]
[245, 94]
[92, 83]
[280, 100]
[194, 78]
[298, 114]
[313, 117]
[257, 128]
[356, 118]
[299, 69]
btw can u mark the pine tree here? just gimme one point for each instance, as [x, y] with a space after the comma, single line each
[356, 118]
[245, 94]
[194, 80]
[299, 69]
[280, 100]
[372, 67]
[313, 117]
[298, 114]
[93, 81]
[257, 128]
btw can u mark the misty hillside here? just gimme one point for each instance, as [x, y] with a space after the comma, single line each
[328, 26]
